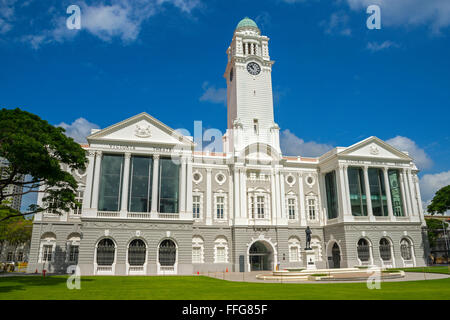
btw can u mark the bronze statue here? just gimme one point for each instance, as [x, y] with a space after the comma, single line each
[308, 238]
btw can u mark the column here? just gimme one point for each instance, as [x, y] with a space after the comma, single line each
[403, 190]
[323, 214]
[236, 200]
[419, 198]
[282, 196]
[388, 192]
[407, 192]
[155, 184]
[243, 192]
[367, 187]
[277, 212]
[87, 195]
[273, 197]
[343, 192]
[347, 192]
[189, 186]
[183, 186]
[125, 186]
[96, 182]
[209, 208]
[302, 212]
[412, 192]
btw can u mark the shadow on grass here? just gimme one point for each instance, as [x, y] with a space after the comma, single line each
[22, 283]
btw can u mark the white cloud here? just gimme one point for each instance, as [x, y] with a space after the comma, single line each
[431, 183]
[435, 13]
[79, 129]
[121, 19]
[7, 15]
[420, 157]
[375, 46]
[337, 24]
[213, 94]
[294, 146]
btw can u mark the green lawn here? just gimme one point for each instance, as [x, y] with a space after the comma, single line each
[440, 269]
[204, 288]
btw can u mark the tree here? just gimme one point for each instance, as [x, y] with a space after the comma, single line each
[435, 227]
[15, 231]
[441, 201]
[36, 149]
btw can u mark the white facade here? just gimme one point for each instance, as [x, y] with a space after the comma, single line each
[244, 209]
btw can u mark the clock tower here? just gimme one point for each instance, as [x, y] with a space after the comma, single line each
[249, 91]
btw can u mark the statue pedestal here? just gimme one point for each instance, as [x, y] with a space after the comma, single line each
[309, 256]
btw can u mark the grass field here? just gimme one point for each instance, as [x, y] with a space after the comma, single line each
[204, 288]
[440, 269]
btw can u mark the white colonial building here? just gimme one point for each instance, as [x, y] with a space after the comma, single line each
[153, 205]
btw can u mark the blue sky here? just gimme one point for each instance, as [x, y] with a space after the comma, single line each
[335, 81]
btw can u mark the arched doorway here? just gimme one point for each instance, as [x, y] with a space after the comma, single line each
[260, 257]
[167, 256]
[336, 256]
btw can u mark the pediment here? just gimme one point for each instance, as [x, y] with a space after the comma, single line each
[142, 128]
[374, 148]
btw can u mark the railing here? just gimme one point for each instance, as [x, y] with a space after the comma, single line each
[104, 269]
[134, 269]
[136, 215]
[169, 216]
[108, 214]
[167, 268]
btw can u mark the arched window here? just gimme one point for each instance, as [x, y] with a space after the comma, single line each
[316, 244]
[73, 244]
[363, 250]
[167, 253]
[197, 250]
[405, 248]
[221, 250]
[137, 253]
[385, 249]
[106, 252]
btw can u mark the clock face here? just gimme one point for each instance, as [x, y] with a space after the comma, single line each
[253, 68]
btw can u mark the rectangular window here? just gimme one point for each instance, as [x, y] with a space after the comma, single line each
[260, 207]
[110, 191]
[140, 190]
[221, 255]
[293, 254]
[47, 253]
[312, 209]
[79, 206]
[378, 192]
[220, 207]
[196, 207]
[169, 186]
[396, 193]
[73, 254]
[291, 208]
[357, 191]
[20, 256]
[331, 191]
[255, 126]
[196, 255]
[10, 256]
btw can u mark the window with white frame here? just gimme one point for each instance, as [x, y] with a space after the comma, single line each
[221, 250]
[291, 202]
[311, 207]
[79, 199]
[47, 253]
[294, 249]
[316, 244]
[260, 202]
[196, 207]
[197, 250]
[257, 208]
[73, 253]
[220, 205]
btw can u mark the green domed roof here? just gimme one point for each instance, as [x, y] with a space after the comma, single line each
[247, 22]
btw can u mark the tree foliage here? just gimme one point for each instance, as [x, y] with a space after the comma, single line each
[15, 230]
[435, 227]
[441, 201]
[34, 148]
